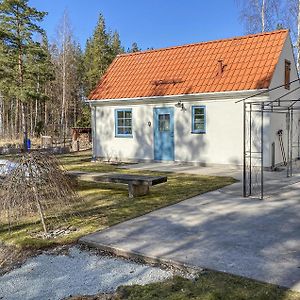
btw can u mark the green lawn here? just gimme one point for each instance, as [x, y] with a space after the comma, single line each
[208, 286]
[108, 204]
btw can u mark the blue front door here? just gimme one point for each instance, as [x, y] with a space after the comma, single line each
[164, 133]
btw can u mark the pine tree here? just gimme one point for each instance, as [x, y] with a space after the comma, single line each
[134, 48]
[99, 57]
[116, 46]
[42, 74]
[100, 51]
[18, 26]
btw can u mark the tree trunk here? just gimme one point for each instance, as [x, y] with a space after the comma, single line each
[13, 128]
[35, 115]
[263, 16]
[24, 126]
[75, 114]
[40, 209]
[298, 37]
[17, 121]
[21, 79]
[31, 118]
[45, 117]
[1, 116]
[64, 73]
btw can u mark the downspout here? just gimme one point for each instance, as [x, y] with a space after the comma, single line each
[93, 123]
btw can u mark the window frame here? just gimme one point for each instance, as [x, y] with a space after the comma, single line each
[198, 131]
[287, 74]
[123, 135]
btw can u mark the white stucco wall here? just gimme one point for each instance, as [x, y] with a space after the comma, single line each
[278, 76]
[221, 144]
[278, 121]
[223, 141]
[108, 146]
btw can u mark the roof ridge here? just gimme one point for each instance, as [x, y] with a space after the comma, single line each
[206, 42]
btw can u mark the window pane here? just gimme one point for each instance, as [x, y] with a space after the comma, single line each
[164, 122]
[121, 130]
[198, 118]
[128, 122]
[167, 125]
[127, 130]
[120, 114]
[161, 125]
[121, 122]
[199, 111]
[127, 114]
[199, 126]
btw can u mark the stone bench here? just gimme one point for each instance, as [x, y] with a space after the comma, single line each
[138, 185]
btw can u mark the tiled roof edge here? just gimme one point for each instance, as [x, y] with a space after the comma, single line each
[206, 42]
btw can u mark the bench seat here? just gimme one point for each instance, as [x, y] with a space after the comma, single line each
[138, 185]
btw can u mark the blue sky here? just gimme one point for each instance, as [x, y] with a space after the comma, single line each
[155, 23]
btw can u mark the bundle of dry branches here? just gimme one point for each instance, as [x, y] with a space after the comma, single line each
[37, 186]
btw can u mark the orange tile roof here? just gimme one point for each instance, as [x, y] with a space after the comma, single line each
[248, 63]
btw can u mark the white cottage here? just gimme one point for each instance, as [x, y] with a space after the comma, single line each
[180, 103]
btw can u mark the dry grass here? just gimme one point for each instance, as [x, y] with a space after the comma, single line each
[209, 285]
[9, 141]
[107, 204]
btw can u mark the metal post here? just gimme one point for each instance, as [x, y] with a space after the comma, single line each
[250, 150]
[298, 144]
[288, 143]
[262, 153]
[291, 147]
[244, 158]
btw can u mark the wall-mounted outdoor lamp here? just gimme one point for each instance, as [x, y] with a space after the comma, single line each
[179, 104]
[149, 123]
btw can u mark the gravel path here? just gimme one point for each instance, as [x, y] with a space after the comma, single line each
[80, 272]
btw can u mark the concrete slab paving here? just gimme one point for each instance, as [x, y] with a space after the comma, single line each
[187, 168]
[221, 231]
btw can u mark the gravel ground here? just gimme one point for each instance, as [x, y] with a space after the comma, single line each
[80, 272]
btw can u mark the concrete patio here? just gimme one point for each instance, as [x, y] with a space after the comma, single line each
[273, 181]
[222, 231]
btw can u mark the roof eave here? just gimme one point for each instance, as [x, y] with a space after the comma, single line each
[234, 95]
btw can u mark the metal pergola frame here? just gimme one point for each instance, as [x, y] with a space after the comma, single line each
[253, 183]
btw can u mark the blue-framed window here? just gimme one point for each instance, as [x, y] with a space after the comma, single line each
[123, 122]
[198, 119]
